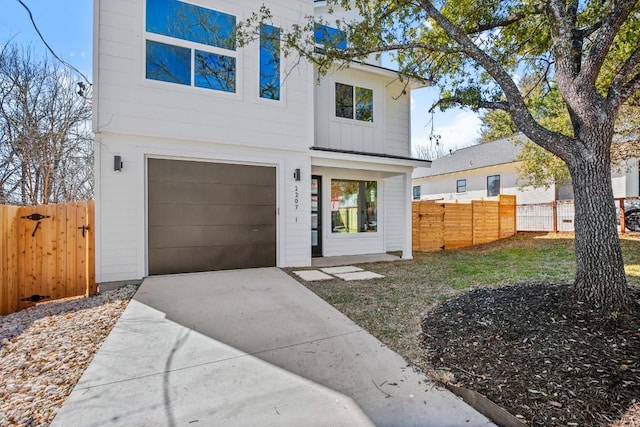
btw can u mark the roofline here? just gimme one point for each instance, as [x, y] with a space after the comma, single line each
[409, 160]
[468, 169]
[414, 81]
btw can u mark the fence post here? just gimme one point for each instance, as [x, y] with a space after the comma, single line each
[554, 206]
[623, 222]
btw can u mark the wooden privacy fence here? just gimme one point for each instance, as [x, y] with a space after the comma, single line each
[46, 251]
[442, 225]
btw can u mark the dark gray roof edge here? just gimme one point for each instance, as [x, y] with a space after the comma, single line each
[364, 153]
[498, 152]
[467, 169]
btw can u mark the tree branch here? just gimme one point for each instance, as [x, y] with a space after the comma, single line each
[511, 19]
[616, 94]
[597, 54]
[464, 102]
[557, 143]
[629, 89]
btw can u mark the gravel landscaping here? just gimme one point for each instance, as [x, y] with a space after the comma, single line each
[45, 349]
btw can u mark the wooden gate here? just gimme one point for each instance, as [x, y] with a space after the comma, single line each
[47, 253]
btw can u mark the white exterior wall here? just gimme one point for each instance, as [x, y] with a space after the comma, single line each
[389, 133]
[138, 118]
[131, 104]
[625, 180]
[336, 244]
[394, 213]
[444, 186]
[625, 183]
[393, 209]
[121, 208]
[632, 178]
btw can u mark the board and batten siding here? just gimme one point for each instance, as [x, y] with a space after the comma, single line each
[398, 119]
[130, 104]
[389, 131]
[394, 213]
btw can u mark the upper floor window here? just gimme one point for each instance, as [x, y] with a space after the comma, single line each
[461, 186]
[269, 62]
[329, 36]
[190, 45]
[354, 206]
[493, 185]
[354, 102]
[416, 192]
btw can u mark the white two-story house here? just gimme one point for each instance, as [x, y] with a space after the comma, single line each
[212, 156]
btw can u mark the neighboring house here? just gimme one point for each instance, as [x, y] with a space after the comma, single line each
[208, 158]
[490, 169]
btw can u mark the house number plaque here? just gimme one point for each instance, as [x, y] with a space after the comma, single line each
[296, 198]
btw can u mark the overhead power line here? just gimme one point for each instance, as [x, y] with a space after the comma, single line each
[65, 63]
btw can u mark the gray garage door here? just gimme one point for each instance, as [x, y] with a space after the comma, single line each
[210, 216]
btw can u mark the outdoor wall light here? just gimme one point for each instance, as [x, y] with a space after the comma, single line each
[117, 163]
[296, 174]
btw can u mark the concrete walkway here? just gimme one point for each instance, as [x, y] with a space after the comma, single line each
[249, 347]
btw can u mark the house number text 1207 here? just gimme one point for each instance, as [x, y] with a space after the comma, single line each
[296, 198]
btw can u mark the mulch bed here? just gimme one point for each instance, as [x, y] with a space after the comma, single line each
[533, 350]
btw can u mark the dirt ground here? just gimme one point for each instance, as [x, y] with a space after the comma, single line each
[534, 351]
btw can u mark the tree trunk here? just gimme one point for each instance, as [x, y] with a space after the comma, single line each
[600, 277]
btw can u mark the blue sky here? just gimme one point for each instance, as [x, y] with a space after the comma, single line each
[68, 28]
[66, 25]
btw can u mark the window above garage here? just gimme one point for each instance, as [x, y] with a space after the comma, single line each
[270, 62]
[326, 36]
[190, 45]
[354, 102]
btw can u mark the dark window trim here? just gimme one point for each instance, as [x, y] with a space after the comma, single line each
[367, 221]
[459, 185]
[489, 188]
[417, 194]
[229, 53]
[354, 102]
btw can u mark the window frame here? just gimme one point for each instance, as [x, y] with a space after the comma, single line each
[193, 46]
[342, 36]
[354, 106]
[459, 185]
[361, 207]
[499, 186]
[419, 188]
[260, 98]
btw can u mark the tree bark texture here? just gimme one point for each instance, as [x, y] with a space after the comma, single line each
[600, 276]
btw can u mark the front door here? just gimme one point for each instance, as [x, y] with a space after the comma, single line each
[316, 216]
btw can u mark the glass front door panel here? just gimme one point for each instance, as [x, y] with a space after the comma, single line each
[316, 218]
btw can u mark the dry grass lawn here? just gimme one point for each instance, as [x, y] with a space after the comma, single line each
[392, 308]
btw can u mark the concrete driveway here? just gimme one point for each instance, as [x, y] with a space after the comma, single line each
[249, 347]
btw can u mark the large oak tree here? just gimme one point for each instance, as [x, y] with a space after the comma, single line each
[476, 50]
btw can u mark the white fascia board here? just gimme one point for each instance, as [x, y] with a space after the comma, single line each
[413, 82]
[364, 162]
